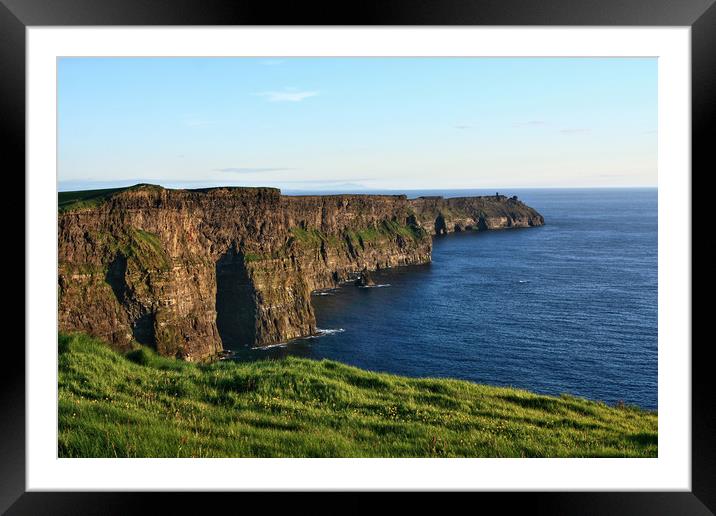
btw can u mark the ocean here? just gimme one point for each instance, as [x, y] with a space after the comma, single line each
[570, 307]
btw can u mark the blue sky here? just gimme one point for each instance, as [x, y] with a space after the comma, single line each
[358, 123]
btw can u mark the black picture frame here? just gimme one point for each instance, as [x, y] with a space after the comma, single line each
[17, 15]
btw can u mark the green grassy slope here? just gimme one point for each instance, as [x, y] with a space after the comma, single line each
[68, 201]
[142, 405]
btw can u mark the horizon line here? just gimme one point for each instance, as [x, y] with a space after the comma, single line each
[364, 189]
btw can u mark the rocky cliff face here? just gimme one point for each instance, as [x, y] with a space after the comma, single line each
[440, 216]
[191, 271]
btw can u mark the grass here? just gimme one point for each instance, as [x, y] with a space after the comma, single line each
[137, 245]
[307, 237]
[144, 405]
[254, 257]
[70, 201]
[147, 249]
[406, 230]
[385, 231]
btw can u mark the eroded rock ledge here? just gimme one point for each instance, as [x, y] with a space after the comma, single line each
[185, 270]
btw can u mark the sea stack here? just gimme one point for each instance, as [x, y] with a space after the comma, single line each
[365, 279]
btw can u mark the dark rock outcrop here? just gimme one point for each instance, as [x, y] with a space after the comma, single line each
[184, 271]
[365, 279]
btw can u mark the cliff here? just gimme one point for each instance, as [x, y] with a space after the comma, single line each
[440, 216]
[184, 271]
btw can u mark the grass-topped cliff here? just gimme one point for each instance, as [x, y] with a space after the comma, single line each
[143, 405]
[189, 272]
[70, 201]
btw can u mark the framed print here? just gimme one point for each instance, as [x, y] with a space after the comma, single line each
[432, 250]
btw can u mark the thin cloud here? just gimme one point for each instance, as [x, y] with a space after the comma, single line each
[250, 170]
[575, 130]
[287, 96]
[530, 123]
[328, 181]
[462, 127]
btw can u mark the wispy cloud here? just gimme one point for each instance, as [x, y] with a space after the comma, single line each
[530, 123]
[574, 130]
[249, 170]
[347, 185]
[328, 181]
[287, 96]
[462, 127]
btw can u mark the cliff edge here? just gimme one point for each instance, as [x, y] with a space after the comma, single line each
[184, 271]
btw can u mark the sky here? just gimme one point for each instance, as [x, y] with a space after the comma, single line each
[357, 124]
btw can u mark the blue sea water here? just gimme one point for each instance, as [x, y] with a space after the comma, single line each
[570, 307]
